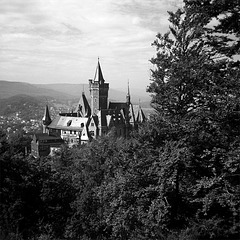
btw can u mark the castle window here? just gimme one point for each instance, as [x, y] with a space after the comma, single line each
[82, 124]
[75, 132]
[70, 131]
[92, 124]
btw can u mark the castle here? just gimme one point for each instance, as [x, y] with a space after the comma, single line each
[88, 121]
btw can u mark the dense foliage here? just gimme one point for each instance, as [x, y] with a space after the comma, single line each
[178, 175]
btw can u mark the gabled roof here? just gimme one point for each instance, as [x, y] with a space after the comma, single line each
[140, 116]
[98, 74]
[46, 118]
[109, 120]
[131, 114]
[83, 107]
[93, 118]
[85, 135]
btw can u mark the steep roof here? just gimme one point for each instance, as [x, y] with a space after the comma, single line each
[140, 116]
[83, 107]
[131, 114]
[46, 118]
[98, 74]
[85, 134]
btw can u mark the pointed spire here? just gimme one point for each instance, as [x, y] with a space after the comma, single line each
[128, 98]
[98, 74]
[46, 118]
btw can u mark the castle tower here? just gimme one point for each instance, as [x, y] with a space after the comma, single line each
[46, 120]
[98, 91]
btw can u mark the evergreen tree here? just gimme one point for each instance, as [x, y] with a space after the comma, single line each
[195, 86]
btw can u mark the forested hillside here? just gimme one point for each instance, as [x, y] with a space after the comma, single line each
[26, 106]
[176, 177]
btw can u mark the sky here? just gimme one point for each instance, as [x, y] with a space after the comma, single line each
[60, 41]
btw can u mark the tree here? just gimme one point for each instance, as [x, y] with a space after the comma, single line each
[226, 13]
[20, 201]
[195, 86]
[19, 143]
[90, 168]
[35, 196]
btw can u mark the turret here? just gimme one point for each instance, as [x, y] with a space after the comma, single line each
[130, 117]
[46, 120]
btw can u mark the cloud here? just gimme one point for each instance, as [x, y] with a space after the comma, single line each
[30, 11]
[16, 6]
[151, 14]
[69, 35]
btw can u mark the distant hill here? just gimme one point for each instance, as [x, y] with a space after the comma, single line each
[9, 89]
[66, 91]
